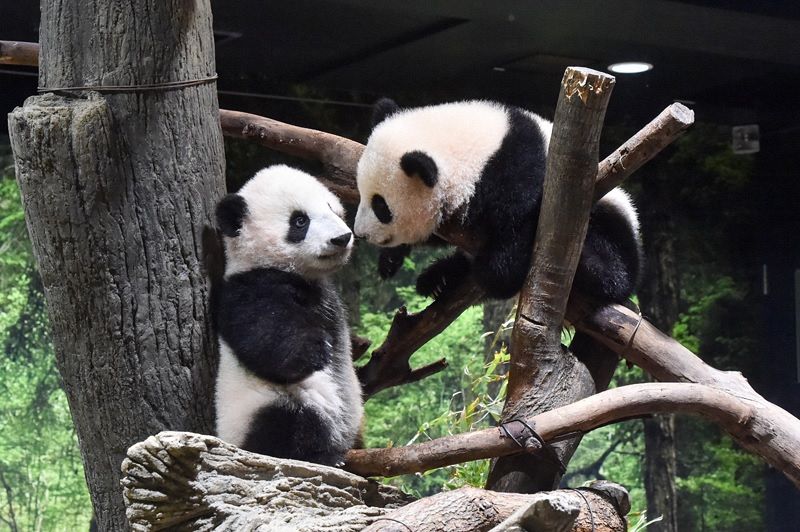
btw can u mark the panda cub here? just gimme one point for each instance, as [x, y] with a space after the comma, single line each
[286, 385]
[483, 162]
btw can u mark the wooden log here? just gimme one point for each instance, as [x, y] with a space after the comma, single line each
[591, 509]
[186, 481]
[542, 374]
[19, 53]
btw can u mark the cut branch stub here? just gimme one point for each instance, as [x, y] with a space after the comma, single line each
[642, 147]
[542, 374]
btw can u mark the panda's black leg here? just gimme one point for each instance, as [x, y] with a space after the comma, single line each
[501, 266]
[444, 274]
[390, 260]
[292, 431]
[609, 266]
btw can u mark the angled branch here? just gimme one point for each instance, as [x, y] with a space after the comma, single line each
[389, 365]
[19, 53]
[636, 400]
[338, 154]
[643, 146]
[774, 434]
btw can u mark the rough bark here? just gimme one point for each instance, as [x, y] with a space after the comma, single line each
[592, 509]
[180, 480]
[659, 298]
[542, 374]
[116, 190]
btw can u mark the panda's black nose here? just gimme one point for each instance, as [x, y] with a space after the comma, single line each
[341, 240]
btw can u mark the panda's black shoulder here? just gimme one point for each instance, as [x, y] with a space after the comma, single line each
[267, 287]
[511, 181]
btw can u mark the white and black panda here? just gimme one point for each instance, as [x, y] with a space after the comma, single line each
[485, 162]
[286, 385]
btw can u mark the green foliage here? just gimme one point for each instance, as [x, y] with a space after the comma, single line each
[417, 411]
[41, 475]
[722, 482]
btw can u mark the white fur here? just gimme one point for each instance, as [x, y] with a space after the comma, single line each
[272, 195]
[620, 201]
[240, 395]
[460, 137]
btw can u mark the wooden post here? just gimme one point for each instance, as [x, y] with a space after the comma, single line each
[543, 375]
[116, 189]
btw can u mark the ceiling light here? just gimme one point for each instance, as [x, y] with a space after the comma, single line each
[630, 67]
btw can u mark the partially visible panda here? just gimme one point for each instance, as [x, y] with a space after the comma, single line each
[485, 162]
[286, 385]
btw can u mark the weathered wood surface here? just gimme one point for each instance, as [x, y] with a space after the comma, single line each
[180, 480]
[186, 481]
[116, 190]
[600, 508]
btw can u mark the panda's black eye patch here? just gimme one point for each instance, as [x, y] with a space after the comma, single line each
[381, 209]
[298, 227]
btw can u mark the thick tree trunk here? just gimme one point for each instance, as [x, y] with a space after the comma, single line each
[659, 297]
[543, 374]
[116, 190]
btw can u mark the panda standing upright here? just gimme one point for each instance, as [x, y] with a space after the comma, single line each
[286, 385]
[483, 162]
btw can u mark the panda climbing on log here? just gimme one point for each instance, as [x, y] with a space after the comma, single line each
[286, 385]
[484, 163]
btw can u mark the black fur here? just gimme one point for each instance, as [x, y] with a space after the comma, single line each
[381, 209]
[611, 259]
[382, 109]
[419, 164]
[290, 430]
[281, 326]
[443, 275]
[504, 210]
[231, 211]
[298, 227]
[390, 260]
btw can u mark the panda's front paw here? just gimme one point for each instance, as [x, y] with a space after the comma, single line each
[431, 284]
[443, 275]
[390, 260]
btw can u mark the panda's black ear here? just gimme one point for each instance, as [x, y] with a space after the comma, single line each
[419, 164]
[231, 211]
[382, 109]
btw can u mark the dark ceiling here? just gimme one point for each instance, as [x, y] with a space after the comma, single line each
[734, 61]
